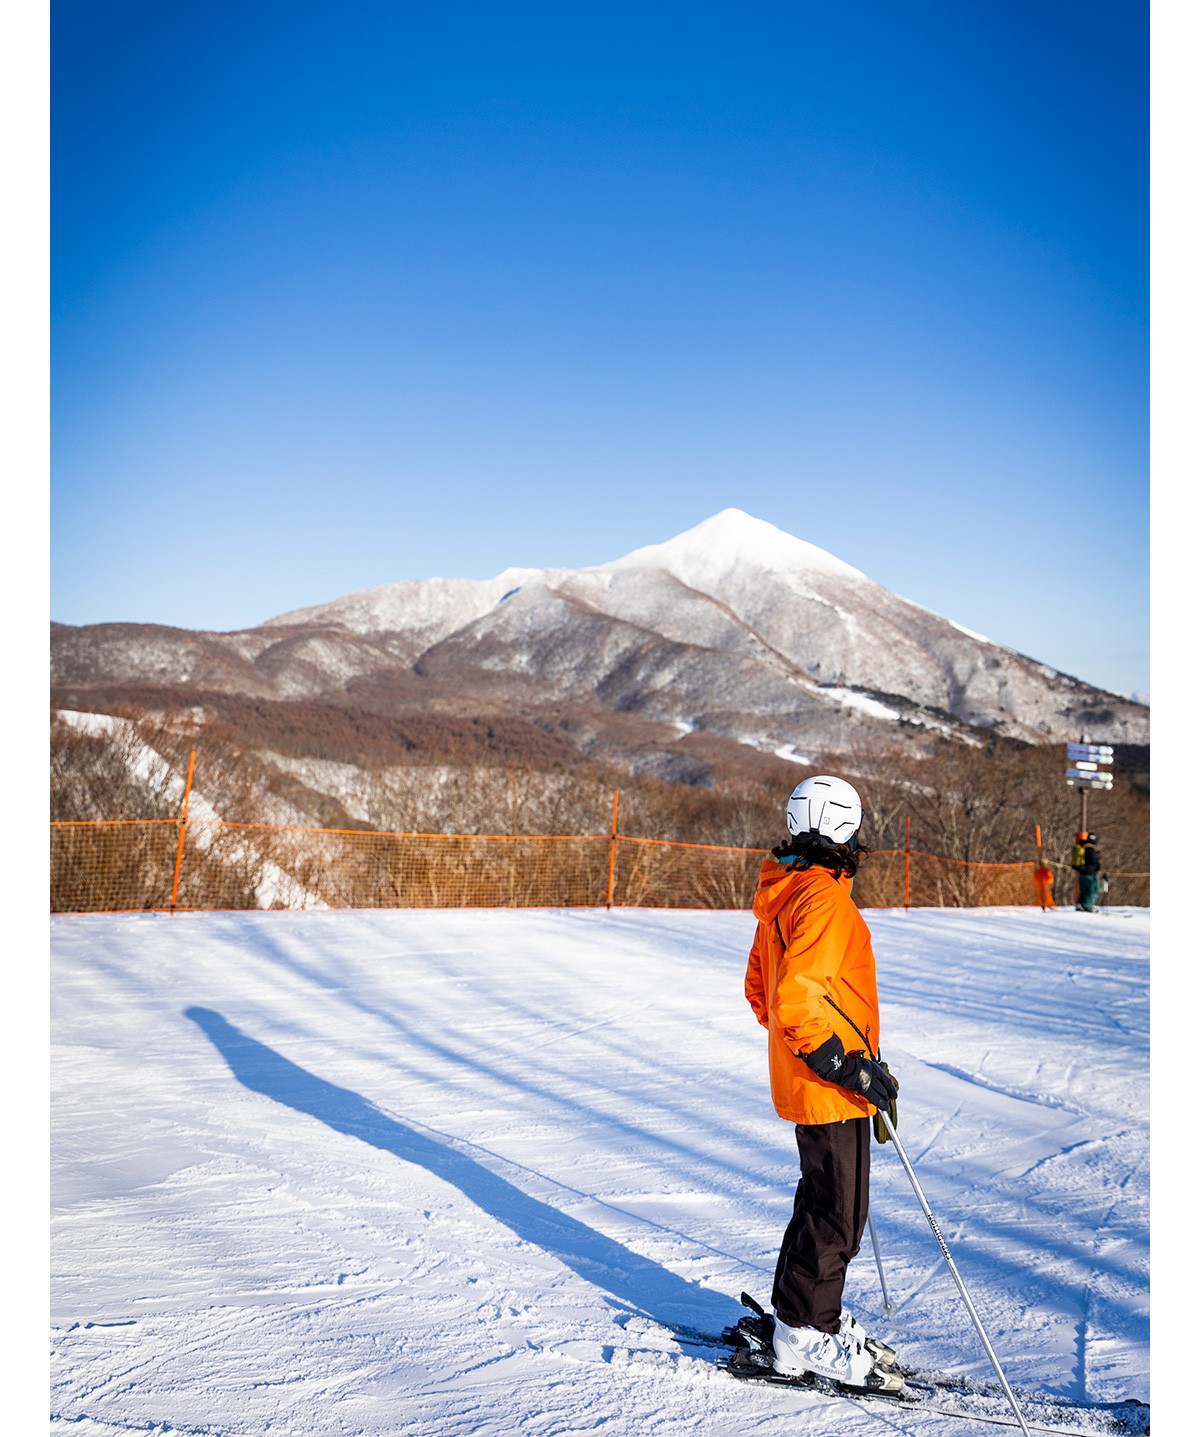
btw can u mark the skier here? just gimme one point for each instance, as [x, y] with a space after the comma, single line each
[810, 980]
[1085, 860]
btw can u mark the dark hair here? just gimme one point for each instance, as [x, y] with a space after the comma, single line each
[814, 849]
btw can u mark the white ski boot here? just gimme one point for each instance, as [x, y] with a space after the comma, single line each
[842, 1359]
[884, 1355]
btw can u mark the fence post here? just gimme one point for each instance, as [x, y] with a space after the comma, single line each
[907, 858]
[187, 793]
[1039, 882]
[612, 849]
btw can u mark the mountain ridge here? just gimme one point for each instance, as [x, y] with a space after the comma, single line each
[733, 628]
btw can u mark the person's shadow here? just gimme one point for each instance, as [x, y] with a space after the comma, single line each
[638, 1285]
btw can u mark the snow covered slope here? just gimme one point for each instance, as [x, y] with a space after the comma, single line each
[470, 1172]
[424, 610]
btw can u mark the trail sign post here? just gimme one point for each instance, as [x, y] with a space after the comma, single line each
[1088, 767]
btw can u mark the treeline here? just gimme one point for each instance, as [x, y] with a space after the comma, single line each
[985, 805]
[971, 804]
[333, 732]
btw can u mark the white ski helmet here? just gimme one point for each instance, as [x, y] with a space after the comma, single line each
[824, 805]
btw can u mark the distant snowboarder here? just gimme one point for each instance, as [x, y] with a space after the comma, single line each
[1085, 860]
[810, 979]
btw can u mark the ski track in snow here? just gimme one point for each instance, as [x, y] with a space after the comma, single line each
[480, 1173]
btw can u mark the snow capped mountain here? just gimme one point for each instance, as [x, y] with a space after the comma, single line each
[705, 556]
[732, 628]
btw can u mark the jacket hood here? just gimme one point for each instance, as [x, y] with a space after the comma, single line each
[778, 881]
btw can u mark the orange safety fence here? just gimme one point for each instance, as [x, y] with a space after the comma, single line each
[911, 878]
[167, 865]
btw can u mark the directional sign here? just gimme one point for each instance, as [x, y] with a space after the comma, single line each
[1096, 752]
[1075, 779]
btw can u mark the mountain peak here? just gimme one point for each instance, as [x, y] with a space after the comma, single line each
[733, 537]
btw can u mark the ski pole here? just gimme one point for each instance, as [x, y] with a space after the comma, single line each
[887, 1301]
[941, 1241]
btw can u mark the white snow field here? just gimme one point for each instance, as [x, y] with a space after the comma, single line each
[481, 1172]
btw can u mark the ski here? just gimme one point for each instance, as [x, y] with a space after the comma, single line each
[1128, 1410]
[924, 1397]
[751, 1360]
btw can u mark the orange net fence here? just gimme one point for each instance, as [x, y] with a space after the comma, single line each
[163, 865]
[895, 877]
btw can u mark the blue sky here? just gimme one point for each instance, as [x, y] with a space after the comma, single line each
[347, 294]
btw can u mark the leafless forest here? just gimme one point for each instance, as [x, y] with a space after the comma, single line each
[340, 770]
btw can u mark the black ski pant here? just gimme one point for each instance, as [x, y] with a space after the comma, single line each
[828, 1218]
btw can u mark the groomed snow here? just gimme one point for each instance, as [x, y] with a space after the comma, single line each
[467, 1172]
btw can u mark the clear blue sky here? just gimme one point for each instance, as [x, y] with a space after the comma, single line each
[351, 293]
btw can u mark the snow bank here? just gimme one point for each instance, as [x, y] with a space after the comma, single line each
[148, 767]
[487, 1172]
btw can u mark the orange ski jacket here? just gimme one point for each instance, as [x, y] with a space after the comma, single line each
[811, 973]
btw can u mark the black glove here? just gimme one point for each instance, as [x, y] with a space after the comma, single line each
[854, 1071]
[864, 1075]
[828, 1061]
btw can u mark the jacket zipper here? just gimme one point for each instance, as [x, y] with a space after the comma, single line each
[852, 1023]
